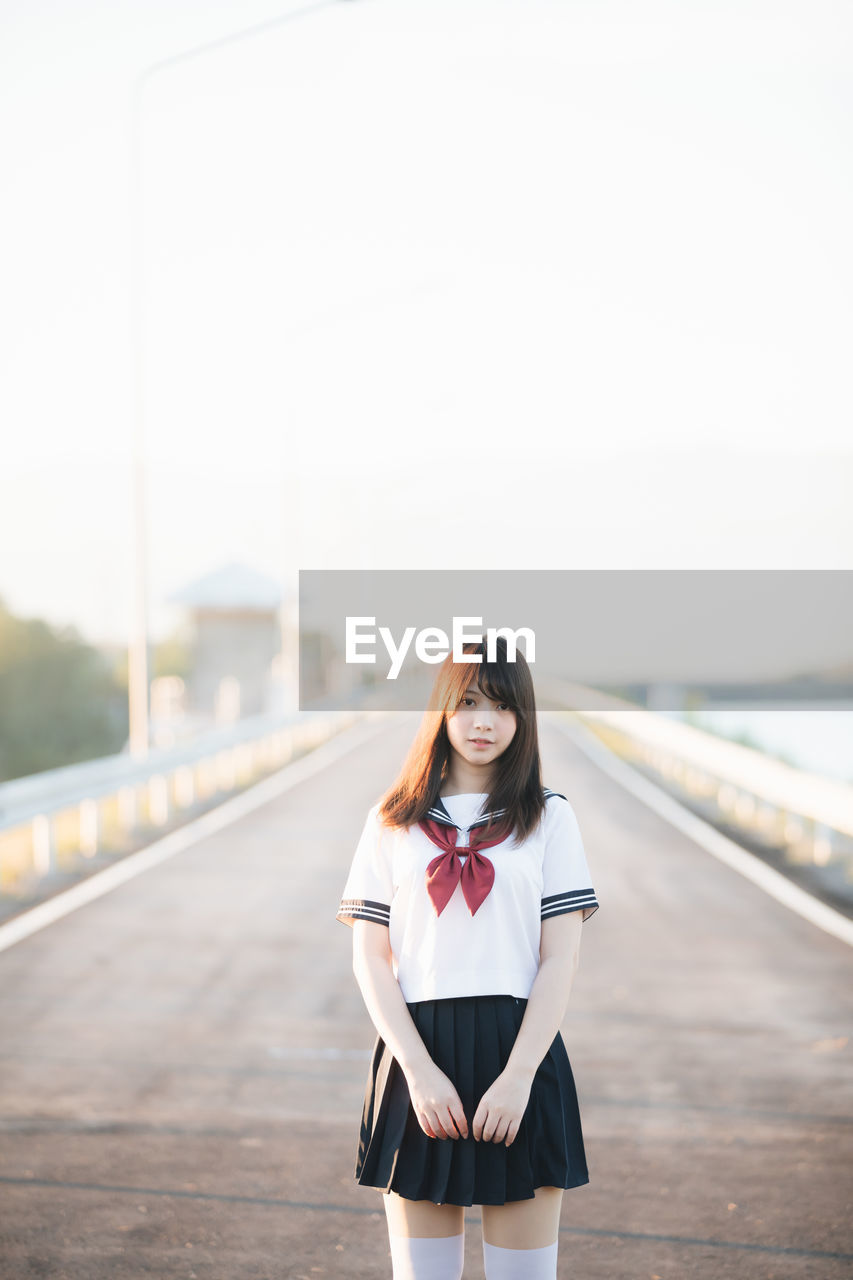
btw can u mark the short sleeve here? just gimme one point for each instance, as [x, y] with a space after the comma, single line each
[369, 887]
[567, 883]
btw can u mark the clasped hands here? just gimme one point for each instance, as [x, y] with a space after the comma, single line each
[439, 1111]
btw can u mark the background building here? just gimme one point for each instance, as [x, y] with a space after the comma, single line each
[235, 635]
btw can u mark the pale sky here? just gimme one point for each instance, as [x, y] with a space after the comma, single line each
[428, 284]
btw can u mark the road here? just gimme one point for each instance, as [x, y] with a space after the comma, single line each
[182, 1061]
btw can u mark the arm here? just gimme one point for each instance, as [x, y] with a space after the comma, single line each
[436, 1103]
[502, 1106]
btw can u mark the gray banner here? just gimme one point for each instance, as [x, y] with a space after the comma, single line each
[660, 638]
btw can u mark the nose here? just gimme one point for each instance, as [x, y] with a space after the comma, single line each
[483, 719]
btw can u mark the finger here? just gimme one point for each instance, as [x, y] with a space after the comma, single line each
[500, 1130]
[426, 1127]
[511, 1134]
[461, 1120]
[448, 1123]
[427, 1123]
[437, 1126]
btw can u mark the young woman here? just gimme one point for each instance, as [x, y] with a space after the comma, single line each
[465, 961]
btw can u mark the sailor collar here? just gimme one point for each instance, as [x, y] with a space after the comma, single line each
[439, 813]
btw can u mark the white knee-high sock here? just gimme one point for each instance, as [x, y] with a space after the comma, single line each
[427, 1258]
[520, 1264]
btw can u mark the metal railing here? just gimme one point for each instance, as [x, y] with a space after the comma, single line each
[55, 820]
[806, 816]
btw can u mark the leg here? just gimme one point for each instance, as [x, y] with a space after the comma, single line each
[520, 1238]
[427, 1240]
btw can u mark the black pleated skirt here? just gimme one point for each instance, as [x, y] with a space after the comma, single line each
[470, 1038]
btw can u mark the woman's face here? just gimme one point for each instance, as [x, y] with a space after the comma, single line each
[480, 730]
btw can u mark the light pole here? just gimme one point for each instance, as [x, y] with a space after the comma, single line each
[137, 665]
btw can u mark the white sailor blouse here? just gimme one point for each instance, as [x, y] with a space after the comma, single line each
[450, 951]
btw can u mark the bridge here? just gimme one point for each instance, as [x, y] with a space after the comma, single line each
[184, 1056]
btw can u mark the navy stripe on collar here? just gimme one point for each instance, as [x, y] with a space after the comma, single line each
[439, 813]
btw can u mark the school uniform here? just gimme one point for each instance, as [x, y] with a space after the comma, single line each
[465, 952]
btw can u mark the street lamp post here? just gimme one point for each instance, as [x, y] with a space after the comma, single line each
[138, 661]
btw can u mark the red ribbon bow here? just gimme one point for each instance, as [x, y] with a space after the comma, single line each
[446, 871]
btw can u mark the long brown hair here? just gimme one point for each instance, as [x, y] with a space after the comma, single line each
[517, 780]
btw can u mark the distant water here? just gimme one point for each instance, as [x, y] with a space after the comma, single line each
[820, 741]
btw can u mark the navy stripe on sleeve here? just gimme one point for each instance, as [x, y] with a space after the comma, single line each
[558, 904]
[363, 909]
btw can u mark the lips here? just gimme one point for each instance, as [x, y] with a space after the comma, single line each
[481, 742]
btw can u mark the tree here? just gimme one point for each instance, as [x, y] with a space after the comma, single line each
[60, 702]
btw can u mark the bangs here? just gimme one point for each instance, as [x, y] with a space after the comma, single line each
[500, 680]
[496, 682]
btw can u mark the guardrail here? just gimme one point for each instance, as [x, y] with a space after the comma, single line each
[55, 820]
[807, 817]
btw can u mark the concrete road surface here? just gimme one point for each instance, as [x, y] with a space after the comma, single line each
[182, 1061]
